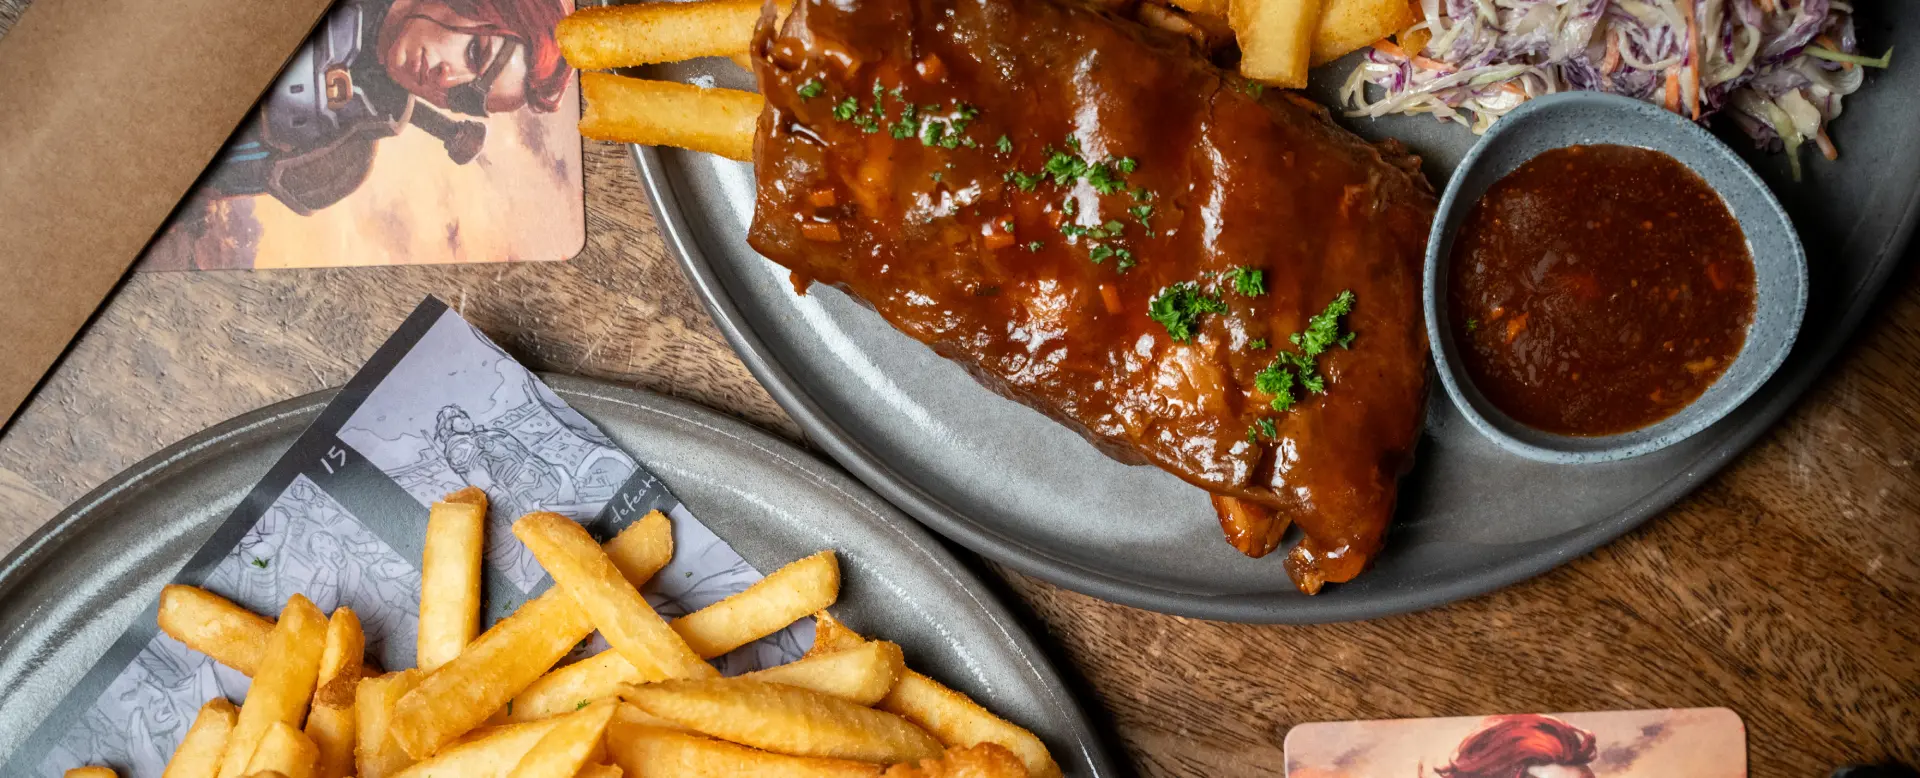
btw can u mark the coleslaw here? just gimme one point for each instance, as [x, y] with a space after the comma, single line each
[1780, 66]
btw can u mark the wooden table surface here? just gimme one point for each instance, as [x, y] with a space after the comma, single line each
[1787, 589]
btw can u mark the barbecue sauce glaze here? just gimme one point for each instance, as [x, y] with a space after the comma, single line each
[1041, 285]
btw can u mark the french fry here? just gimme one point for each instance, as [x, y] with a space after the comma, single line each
[629, 713]
[862, 674]
[490, 754]
[569, 745]
[330, 724]
[284, 750]
[375, 752]
[582, 571]
[615, 36]
[667, 113]
[766, 607]
[1349, 25]
[450, 578]
[830, 635]
[212, 625]
[280, 691]
[600, 771]
[596, 677]
[496, 666]
[663, 753]
[199, 753]
[643, 547]
[91, 771]
[784, 719]
[1276, 39]
[952, 717]
[982, 761]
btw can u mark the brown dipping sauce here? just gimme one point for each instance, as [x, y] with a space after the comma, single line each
[1599, 289]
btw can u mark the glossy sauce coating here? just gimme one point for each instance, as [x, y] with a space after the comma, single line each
[1599, 289]
[1041, 287]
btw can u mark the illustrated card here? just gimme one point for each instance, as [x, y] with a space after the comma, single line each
[1694, 742]
[341, 519]
[402, 132]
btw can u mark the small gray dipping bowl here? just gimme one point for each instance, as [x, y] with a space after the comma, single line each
[1583, 118]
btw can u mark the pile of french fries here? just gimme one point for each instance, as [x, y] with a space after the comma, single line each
[493, 705]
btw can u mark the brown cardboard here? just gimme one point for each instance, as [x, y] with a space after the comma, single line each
[108, 111]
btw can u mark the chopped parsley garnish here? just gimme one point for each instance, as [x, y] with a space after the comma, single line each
[845, 109]
[1034, 246]
[1179, 308]
[811, 89]
[1007, 225]
[1005, 144]
[1289, 369]
[1140, 193]
[1025, 181]
[582, 705]
[1141, 212]
[1070, 206]
[936, 175]
[1262, 428]
[1073, 143]
[1255, 88]
[1124, 260]
[260, 563]
[1257, 344]
[1100, 253]
[1248, 281]
[1473, 324]
[1125, 164]
[878, 92]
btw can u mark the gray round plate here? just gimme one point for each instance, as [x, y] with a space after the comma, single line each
[71, 588]
[1010, 484]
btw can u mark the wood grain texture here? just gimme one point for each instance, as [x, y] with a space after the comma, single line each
[1787, 589]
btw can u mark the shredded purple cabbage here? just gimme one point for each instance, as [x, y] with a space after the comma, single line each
[1782, 67]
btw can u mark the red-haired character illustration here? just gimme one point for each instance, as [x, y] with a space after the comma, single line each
[376, 67]
[1523, 746]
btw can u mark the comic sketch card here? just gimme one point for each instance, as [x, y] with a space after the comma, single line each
[1694, 742]
[341, 519]
[404, 131]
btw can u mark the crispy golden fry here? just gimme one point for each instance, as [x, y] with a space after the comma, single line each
[1276, 39]
[642, 548]
[331, 722]
[569, 745]
[450, 578]
[490, 754]
[830, 635]
[629, 713]
[665, 113]
[199, 753]
[280, 691]
[982, 761]
[952, 717]
[862, 674]
[784, 719]
[210, 624]
[268, 774]
[766, 607]
[596, 677]
[284, 750]
[600, 771]
[1414, 42]
[92, 771]
[615, 36]
[376, 754]
[663, 753]
[583, 572]
[1349, 25]
[496, 666]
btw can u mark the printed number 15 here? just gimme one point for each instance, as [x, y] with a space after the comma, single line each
[334, 454]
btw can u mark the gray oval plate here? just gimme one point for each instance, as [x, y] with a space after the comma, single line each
[72, 587]
[1010, 484]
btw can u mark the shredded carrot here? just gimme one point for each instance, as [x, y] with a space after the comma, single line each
[1673, 90]
[1432, 64]
[1390, 48]
[1612, 62]
[1826, 144]
[1826, 40]
[1513, 89]
[1693, 59]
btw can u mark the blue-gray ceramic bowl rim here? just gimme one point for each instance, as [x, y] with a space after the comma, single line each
[1577, 118]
